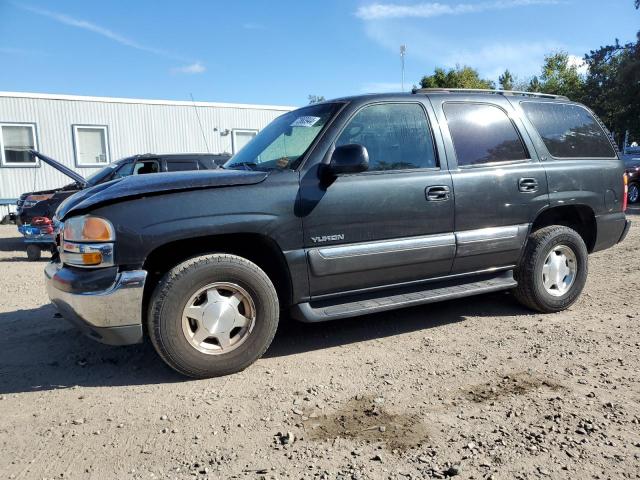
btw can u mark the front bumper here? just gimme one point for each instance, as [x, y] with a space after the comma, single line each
[105, 306]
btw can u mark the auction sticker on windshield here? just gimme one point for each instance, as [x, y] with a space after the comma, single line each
[306, 121]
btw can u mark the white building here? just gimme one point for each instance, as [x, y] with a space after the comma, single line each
[86, 133]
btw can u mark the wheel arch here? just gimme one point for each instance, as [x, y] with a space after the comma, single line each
[257, 248]
[579, 217]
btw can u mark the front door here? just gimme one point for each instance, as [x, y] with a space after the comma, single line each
[498, 182]
[391, 224]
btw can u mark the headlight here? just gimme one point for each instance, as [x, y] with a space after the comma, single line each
[86, 242]
[88, 229]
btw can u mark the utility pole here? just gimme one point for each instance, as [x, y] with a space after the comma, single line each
[403, 51]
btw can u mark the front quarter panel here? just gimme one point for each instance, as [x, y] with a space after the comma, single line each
[144, 224]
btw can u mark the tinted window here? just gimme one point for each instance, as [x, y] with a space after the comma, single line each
[177, 166]
[397, 136]
[568, 131]
[483, 134]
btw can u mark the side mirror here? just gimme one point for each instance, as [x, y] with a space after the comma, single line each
[352, 158]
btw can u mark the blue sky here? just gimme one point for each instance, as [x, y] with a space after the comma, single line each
[278, 52]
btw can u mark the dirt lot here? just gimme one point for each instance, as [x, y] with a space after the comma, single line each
[479, 388]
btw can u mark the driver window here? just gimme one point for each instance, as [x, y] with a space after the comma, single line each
[146, 166]
[397, 136]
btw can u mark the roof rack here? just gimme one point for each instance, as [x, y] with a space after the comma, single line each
[482, 90]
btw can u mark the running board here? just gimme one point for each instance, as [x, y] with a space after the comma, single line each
[435, 292]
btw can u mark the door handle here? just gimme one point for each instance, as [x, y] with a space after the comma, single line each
[528, 185]
[438, 193]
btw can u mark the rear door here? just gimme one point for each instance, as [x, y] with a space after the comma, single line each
[498, 181]
[390, 225]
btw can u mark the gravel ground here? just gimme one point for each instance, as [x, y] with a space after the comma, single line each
[479, 388]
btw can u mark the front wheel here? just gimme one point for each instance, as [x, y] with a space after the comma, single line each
[34, 252]
[213, 315]
[553, 270]
[634, 193]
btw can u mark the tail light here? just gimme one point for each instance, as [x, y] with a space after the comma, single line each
[44, 223]
[625, 195]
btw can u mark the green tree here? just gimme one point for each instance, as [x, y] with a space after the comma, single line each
[534, 85]
[506, 80]
[560, 77]
[316, 99]
[459, 77]
[612, 87]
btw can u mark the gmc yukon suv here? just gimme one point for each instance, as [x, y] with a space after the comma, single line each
[341, 209]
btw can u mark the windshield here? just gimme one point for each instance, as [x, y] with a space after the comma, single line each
[97, 177]
[285, 140]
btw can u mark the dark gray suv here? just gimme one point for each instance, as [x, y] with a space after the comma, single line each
[340, 209]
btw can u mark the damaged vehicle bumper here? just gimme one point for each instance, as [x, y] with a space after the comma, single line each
[104, 304]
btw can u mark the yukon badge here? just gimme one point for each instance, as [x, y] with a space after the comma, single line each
[328, 238]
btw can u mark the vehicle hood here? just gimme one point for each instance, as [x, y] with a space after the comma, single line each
[60, 167]
[137, 186]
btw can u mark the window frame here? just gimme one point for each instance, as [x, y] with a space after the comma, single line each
[589, 111]
[76, 150]
[527, 150]
[235, 131]
[34, 131]
[431, 133]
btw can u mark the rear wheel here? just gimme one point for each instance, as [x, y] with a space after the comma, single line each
[634, 193]
[553, 270]
[213, 315]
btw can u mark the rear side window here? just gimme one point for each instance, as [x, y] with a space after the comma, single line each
[396, 135]
[483, 133]
[176, 166]
[568, 131]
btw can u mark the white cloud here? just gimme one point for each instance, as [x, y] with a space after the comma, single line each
[378, 11]
[191, 69]
[522, 56]
[99, 30]
[579, 63]
[383, 87]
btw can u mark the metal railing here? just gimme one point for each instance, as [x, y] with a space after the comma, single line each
[495, 92]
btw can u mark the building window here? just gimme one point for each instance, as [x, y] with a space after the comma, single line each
[15, 142]
[91, 145]
[241, 137]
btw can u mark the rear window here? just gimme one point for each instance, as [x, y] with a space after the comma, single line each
[568, 131]
[483, 133]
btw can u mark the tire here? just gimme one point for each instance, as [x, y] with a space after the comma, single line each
[171, 336]
[34, 253]
[531, 290]
[633, 194]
